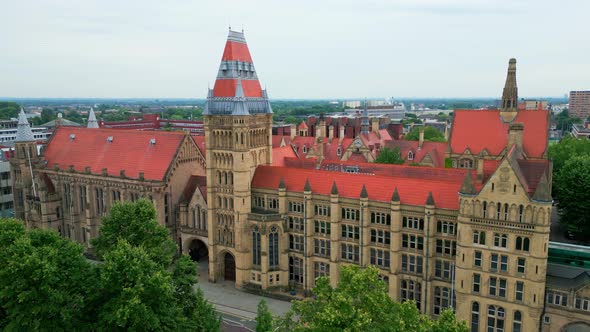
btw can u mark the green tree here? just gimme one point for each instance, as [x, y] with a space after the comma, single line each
[290, 119]
[564, 121]
[263, 318]
[135, 223]
[571, 184]
[389, 156]
[360, 303]
[430, 134]
[567, 148]
[447, 322]
[197, 313]
[8, 110]
[136, 293]
[45, 282]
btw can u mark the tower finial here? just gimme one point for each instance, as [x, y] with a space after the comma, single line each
[23, 131]
[92, 123]
[510, 93]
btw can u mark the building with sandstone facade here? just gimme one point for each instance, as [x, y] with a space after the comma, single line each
[474, 237]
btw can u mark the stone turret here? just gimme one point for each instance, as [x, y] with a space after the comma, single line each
[509, 105]
[23, 131]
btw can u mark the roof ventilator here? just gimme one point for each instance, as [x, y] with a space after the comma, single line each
[110, 139]
[72, 137]
[152, 141]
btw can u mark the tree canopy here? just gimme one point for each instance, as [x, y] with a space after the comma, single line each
[263, 318]
[430, 134]
[360, 303]
[8, 110]
[389, 156]
[135, 223]
[45, 282]
[571, 185]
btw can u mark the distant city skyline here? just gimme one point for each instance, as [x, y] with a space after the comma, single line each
[302, 50]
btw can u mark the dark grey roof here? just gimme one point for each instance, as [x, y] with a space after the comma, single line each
[567, 277]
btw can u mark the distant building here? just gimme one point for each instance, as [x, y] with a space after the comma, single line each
[581, 130]
[8, 129]
[579, 104]
[155, 122]
[351, 104]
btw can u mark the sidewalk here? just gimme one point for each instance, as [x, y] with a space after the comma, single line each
[230, 300]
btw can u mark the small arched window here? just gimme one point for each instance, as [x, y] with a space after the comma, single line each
[517, 322]
[505, 211]
[520, 213]
[410, 155]
[484, 209]
[475, 316]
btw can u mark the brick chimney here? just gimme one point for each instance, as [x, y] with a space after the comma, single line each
[331, 132]
[341, 133]
[375, 125]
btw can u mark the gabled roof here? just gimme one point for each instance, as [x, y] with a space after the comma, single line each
[279, 155]
[479, 129]
[412, 190]
[130, 150]
[193, 183]
[200, 142]
[436, 151]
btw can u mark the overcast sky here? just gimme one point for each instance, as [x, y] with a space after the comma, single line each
[301, 49]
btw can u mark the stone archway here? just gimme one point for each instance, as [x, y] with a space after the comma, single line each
[576, 327]
[198, 251]
[229, 267]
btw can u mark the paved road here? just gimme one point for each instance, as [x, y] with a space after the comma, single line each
[238, 309]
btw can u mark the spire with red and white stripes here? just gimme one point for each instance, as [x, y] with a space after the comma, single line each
[237, 90]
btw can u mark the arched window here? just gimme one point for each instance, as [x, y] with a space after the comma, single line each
[442, 299]
[256, 246]
[194, 218]
[522, 243]
[479, 237]
[475, 317]
[496, 317]
[484, 209]
[520, 213]
[517, 322]
[498, 210]
[505, 211]
[410, 155]
[273, 247]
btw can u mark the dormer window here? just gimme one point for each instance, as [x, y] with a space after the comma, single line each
[304, 149]
[410, 155]
[339, 151]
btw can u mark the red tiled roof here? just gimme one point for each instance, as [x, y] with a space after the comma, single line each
[235, 51]
[277, 139]
[436, 150]
[302, 125]
[357, 157]
[412, 191]
[310, 163]
[479, 129]
[279, 155]
[227, 88]
[130, 150]
[200, 142]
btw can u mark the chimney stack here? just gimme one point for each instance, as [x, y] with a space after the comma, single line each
[293, 131]
[341, 133]
[331, 132]
[421, 138]
[515, 135]
[375, 125]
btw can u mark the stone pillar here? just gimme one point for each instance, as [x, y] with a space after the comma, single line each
[334, 238]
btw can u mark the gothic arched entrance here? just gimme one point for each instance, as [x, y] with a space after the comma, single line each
[576, 327]
[229, 267]
[198, 250]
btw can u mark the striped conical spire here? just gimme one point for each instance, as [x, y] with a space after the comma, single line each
[236, 81]
[23, 131]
